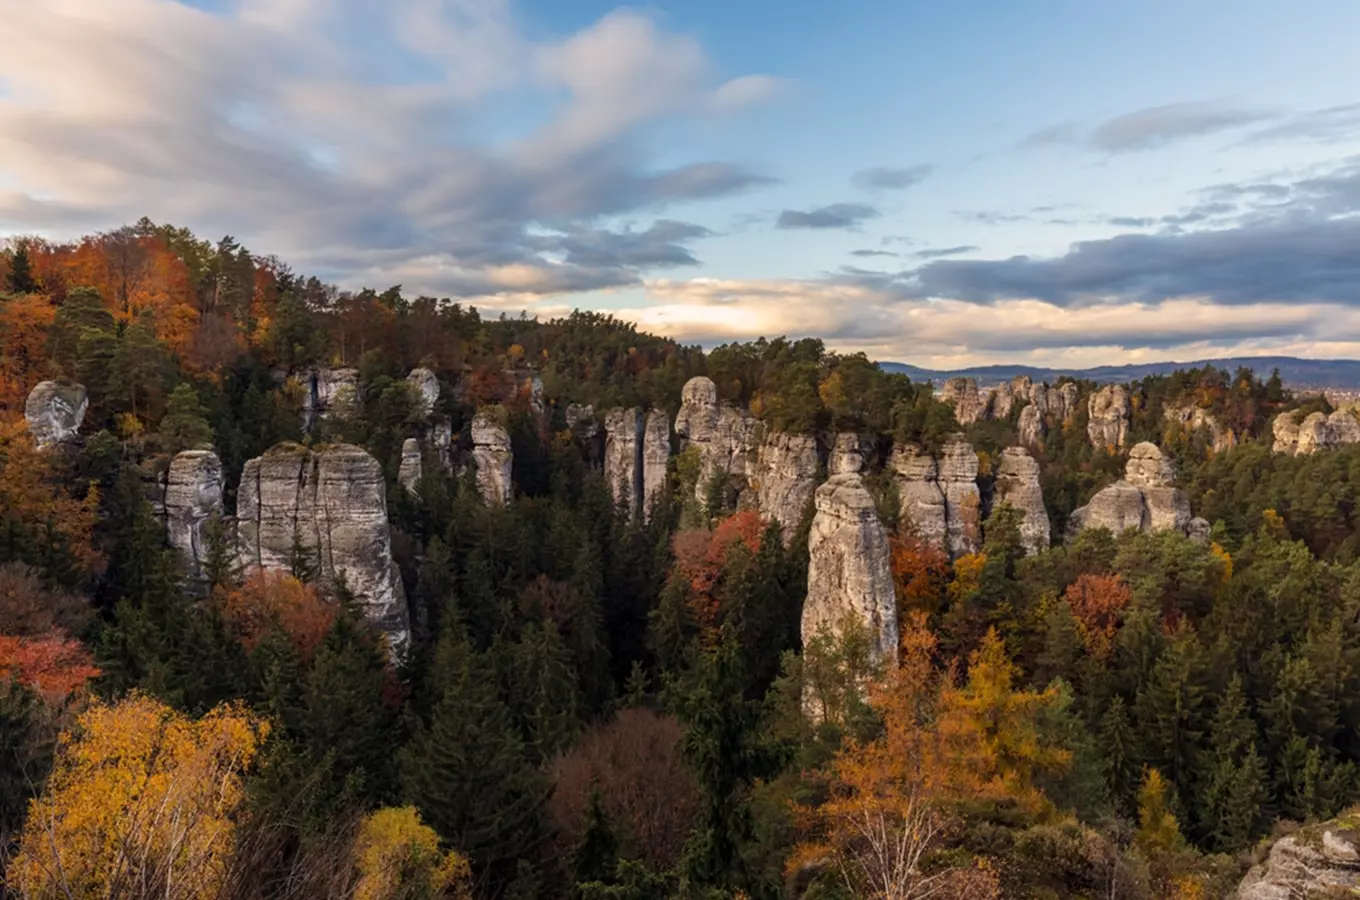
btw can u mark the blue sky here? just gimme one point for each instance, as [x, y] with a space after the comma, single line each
[1055, 182]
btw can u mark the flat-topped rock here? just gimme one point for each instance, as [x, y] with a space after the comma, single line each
[1146, 499]
[193, 495]
[493, 457]
[1108, 423]
[920, 498]
[1017, 484]
[623, 456]
[958, 467]
[656, 454]
[786, 477]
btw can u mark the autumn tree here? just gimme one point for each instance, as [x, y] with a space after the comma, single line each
[142, 800]
[920, 573]
[1097, 602]
[270, 599]
[398, 857]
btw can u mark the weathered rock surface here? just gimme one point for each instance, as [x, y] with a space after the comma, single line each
[962, 394]
[1146, 498]
[1316, 861]
[1031, 427]
[848, 454]
[582, 416]
[656, 453]
[193, 494]
[426, 386]
[724, 435]
[327, 393]
[1108, 422]
[786, 477]
[1199, 530]
[1192, 418]
[1316, 431]
[1008, 394]
[1062, 400]
[963, 502]
[849, 574]
[332, 505]
[493, 457]
[441, 438]
[623, 455]
[921, 500]
[1017, 483]
[411, 469]
[54, 411]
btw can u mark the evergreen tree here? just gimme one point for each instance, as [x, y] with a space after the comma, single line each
[596, 857]
[27, 741]
[1117, 745]
[184, 425]
[82, 311]
[21, 280]
[1171, 711]
[1234, 789]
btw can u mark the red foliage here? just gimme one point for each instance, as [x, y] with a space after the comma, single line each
[53, 664]
[700, 556]
[920, 573]
[1097, 601]
[275, 599]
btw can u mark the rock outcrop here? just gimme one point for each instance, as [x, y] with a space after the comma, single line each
[1199, 530]
[1031, 427]
[1192, 418]
[1146, 499]
[493, 457]
[54, 411]
[724, 435]
[849, 454]
[623, 456]
[330, 505]
[656, 453]
[962, 394]
[193, 494]
[327, 393]
[920, 498]
[411, 469]
[1314, 432]
[582, 416]
[1316, 861]
[786, 477]
[1108, 422]
[963, 502]
[1017, 483]
[426, 385]
[849, 574]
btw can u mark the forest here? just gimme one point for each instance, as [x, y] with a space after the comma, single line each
[602, 705]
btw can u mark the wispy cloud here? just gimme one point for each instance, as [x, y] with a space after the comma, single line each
[1151, 127]
[891, 179]
[837, 215]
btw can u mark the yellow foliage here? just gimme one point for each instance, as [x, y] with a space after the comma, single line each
[142, 797]
[1273, 523]
[1224, 557]
[967, 576]
[30, 492]
[397, 855]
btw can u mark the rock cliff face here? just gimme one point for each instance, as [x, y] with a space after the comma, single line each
[54, 411]
[193, 493]
[1192, 418]
[426, 386]
[326, 393]
[1199, 530]
[1316, 431]
[412, 468]
[786, 477]
[1108, 422]
[656, 453]
[1146, 499]
[1316, 861]
[849, 574]
[583, 416]
[1017, 483]
[1031, 427]
[623, 455]
[962, 394]
[849, 454]
[963, 503]
[333, 505]
[724, 435]
[920, 498]
[491, 452]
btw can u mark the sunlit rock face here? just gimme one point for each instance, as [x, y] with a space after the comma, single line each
[1299, 435]
[724, 436]
[193, 495]
[786, 477]
[492, 455]
[1107, 425]
[330, 506]
[54, 411]
[411, 469]
[963, 395]
[849, 574]
[1146, 499]
[920, 498]
[656, 454]
[426, 387]
[623, 455]
[958, 466]
[1194, 419]
[1320, 860]
[1017, 484]
[849, 453]
[1031, 427]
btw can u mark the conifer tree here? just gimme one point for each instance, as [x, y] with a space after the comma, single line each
[184, 425]
[1119, 754]
[1234, 790]
[1171, 712]
[596, 858]
[21, 280]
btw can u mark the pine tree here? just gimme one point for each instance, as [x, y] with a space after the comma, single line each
[1171, 711]
[539, 686]
[1234, 790]
[1116, 740]
[184, 425]
[27, 742]
[21, 280]
[596, 857]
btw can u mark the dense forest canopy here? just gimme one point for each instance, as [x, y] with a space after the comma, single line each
[597, 704]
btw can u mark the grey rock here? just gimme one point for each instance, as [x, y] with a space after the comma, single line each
[1192, 418]
[426, 386]
[725, 436]
[1199, 530]
[1286, 431]
[1314, 432]
[411, 469]
[54, 411]
[963, 502]
[193, 494]
[327, 393]
[656, 454]
[1117, 507]
[493, 457]
[1017, 483]
[583, 417]
[848, 454]
[962, 394]
[1320, 860]
[1064, 404]
[1031, 427]
[849, 574]
[623, 456]
[921, 500]
[333, 505]
[1108, 422]
[786, 478]
[1146, 499]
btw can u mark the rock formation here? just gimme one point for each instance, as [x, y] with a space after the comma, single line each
[54, 411]
[426, 386]
[1316, 431]
[1017, 483]
[493, 457]
[411, 470]
[1199, 530]
[786, 477]
[441, 438]
[724, 436]
[848, 454]
[656, 453]
[1007, 394]
[332, 506]
[963, 503]
[1062, 400]
[583, 416]
[1317, 861]
[962, 394]
[1031, 427]
[1146, 498]
[1108, 422]
[193, 493]
[1192, 418]
[623, 455]
[921, 501]
[849, 574]
[326, 393]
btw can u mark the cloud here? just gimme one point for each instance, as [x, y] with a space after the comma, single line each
[351, 138]
[990, 217]
[1330, 125]
[873, 253]
[890, 179]
[945, 251]
[1151, 127]
[837, 215]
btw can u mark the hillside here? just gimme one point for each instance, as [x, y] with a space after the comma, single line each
[1295, 372]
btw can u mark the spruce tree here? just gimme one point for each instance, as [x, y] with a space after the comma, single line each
[184, 425]
[1119, 754]
[596, 857]
[1172, 711]
[21, 280]
[1233, 790]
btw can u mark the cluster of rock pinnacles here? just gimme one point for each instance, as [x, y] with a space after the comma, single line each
[331, 500]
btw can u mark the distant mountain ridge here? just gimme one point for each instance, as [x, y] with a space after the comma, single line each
[1294, 371]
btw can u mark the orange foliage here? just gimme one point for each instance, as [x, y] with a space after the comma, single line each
[30, 494]
[1097, 602]
[700, 556]
[24, 322]
[53, 664]
[920, 573]
[275, 599]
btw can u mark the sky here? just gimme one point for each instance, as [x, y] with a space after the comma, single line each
[1054, 182]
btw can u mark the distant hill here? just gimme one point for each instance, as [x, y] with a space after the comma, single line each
[1295, 372]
